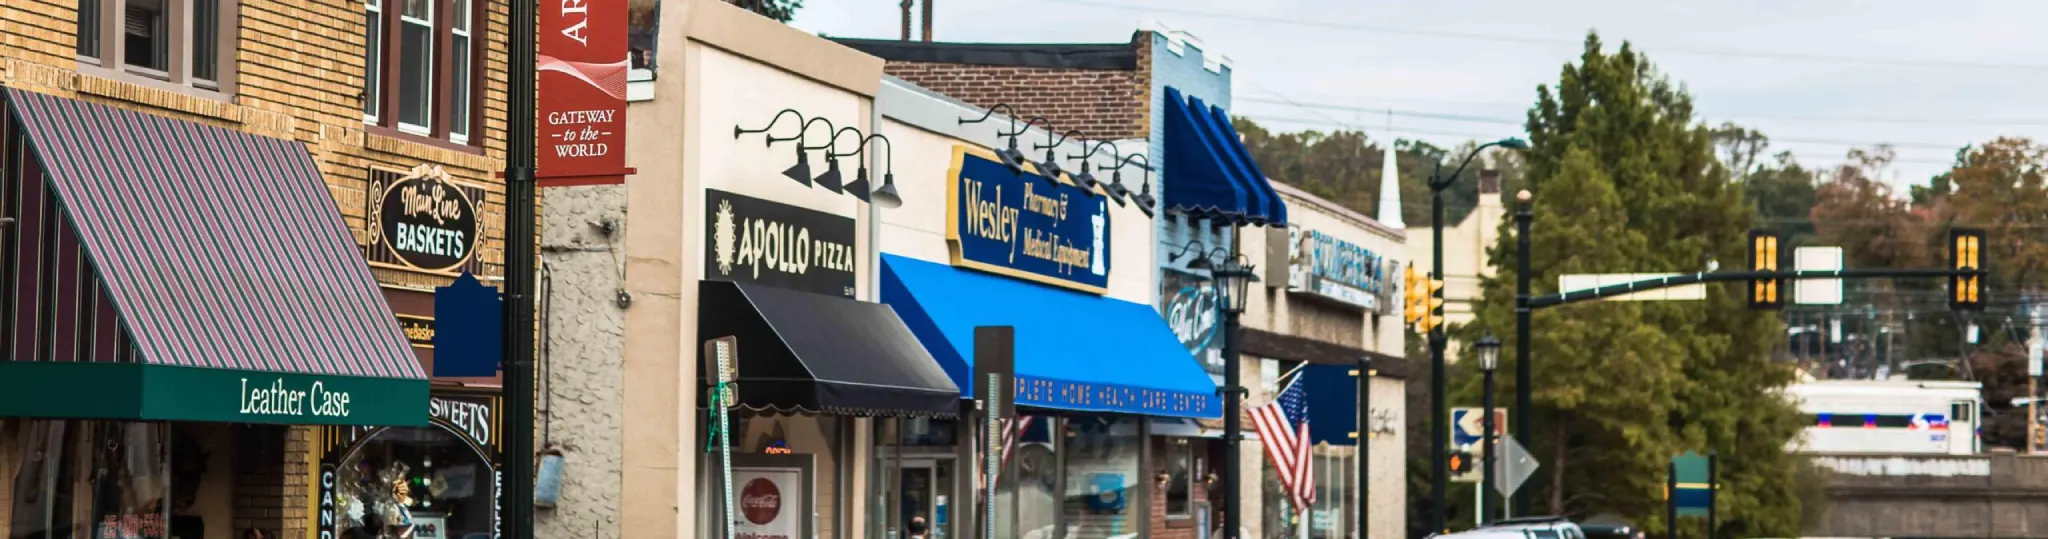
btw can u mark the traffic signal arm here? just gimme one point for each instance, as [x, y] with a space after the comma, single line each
[1727, 276]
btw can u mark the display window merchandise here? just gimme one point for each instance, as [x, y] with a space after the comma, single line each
[438, 481]
[135, 480]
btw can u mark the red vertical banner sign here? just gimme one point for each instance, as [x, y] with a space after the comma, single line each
[582, 67]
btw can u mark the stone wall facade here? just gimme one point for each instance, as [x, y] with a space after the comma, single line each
[580, 413]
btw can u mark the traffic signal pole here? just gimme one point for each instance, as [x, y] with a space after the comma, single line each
[1440, 410]
[1645, 285]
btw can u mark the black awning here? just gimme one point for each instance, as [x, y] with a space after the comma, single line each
[801, 352]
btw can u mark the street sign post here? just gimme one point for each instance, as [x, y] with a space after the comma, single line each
[1513, 468]
[1467, 435]
[1689, 489]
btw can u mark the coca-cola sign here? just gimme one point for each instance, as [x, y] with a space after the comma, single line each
[770, 497]
[760, 501]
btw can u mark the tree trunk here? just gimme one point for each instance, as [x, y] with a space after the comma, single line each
[1559, 450]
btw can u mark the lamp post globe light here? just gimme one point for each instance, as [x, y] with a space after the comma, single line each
[1440, 412]
[1232, 275]
[1489, 360]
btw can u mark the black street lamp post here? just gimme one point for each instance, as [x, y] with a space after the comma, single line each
[1440, 411]
[1523, 219]
[1489, 360]
[1233, 275]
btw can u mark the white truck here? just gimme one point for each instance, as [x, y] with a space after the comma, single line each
[1889, 416]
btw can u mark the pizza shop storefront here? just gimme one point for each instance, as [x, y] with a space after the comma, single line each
[171, 317]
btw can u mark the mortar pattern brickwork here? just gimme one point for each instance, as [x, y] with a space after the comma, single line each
[1104, 104]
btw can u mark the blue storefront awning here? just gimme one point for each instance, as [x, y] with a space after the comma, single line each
[1255, 179]
[1332, 403]
[1209, 173]
[1075, 351]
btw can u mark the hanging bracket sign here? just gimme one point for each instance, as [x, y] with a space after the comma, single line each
[423, 220]
[582, 64]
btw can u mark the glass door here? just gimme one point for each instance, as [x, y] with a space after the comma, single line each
[924, 502]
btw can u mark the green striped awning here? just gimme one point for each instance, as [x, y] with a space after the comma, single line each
[180, 271]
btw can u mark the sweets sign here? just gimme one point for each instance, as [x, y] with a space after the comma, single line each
[583, 67]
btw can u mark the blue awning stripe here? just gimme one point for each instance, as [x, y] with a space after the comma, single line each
[1275, 211]
[1075, 351]
[1196, 182]
[1209, 172]
[1227, 146]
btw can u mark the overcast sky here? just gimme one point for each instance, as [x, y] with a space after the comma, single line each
[1818, 77]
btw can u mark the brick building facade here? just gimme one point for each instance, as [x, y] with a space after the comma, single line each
[294, 70]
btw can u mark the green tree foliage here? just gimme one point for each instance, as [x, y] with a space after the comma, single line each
[780, 10]
[1625, 183]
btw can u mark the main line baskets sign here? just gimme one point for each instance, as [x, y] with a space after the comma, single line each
[422, 220]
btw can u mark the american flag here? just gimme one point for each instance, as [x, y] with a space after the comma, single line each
[1283, 429]
[1013, 430]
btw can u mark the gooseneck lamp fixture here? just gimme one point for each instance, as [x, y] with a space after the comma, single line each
[1146, 202]
[1050, 167]
[1010, 156]
[832, 179]
[886, 195]
[801, 171]
[1086, 177]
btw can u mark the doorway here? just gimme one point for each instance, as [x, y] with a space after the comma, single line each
[924, 488]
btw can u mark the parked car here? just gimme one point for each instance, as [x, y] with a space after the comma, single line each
[1538, 527]
[1611, 531]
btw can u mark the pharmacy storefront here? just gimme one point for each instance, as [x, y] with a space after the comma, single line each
[1065, 270]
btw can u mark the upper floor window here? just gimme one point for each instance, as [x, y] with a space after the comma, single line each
[183, 42]
[419, 69]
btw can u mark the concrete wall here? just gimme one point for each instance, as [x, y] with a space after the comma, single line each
[1282, 311]
[624, 378]
[1996, 495]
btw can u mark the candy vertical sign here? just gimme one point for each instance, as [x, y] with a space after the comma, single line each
[582, 67]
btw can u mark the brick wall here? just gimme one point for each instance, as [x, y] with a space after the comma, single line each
[298, 74]
[261, 481]
[1107, 104]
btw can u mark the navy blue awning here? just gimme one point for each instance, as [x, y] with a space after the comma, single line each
[1075, 351]
[1267, 199]
[1209, 173]
[1332, 403]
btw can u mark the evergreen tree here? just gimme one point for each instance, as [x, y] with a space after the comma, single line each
[1624, 181]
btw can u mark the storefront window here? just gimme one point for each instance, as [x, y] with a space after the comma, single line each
[97, 479]
[817, 439]
[1279, 513]
[1336, 480]
[1176, 459]
[1032, 484]
[1102, 477]
[407, 482]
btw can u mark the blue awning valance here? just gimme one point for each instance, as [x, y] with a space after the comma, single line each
[1075, 351]
[1209, 173]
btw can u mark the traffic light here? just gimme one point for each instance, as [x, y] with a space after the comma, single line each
[1764, 294]
[1412, 293]
[2040, 437]
[1461, 462]
[1966, 252]
[1432, 305]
